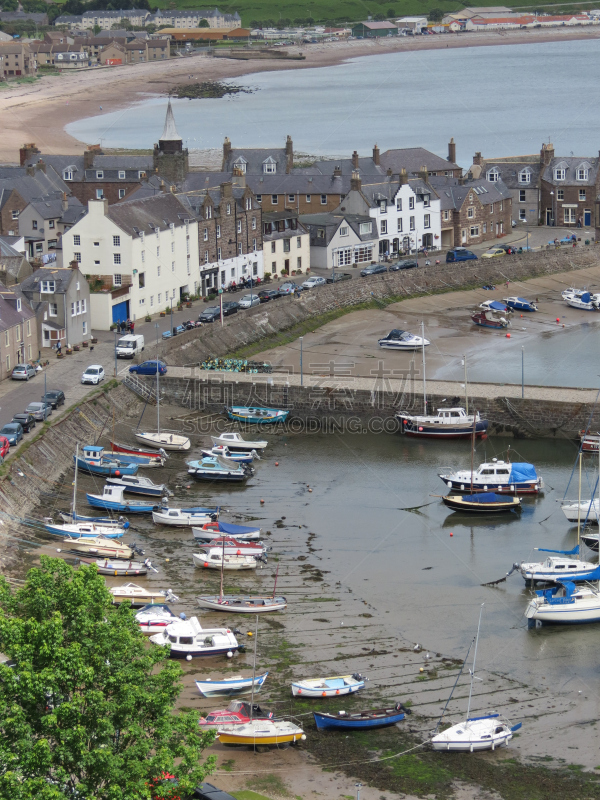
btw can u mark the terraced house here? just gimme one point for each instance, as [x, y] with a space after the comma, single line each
[18, 330]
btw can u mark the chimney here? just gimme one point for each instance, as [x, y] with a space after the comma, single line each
[462, 180]
[376, 155]
[452, 151]
[546, 154]
[355, 159]
[27, 152]
[238, 179]
[226, 149]
[88, 156]
[163, 187]
[423, 174]
[478, 159]
[41, 165]
[65, 201]
[389, 172]
[403, 177]
[355, 181]
[337, 171]
[73, 264]
[226, 189]
[30, 169]
[289, 154]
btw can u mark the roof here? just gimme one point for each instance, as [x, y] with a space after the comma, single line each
[452, 194]
[413, 159]
[148, 213]
[9, 316]
[331, 221]
[570, 165]
[51, 207]
[255, 157]
[32, 187]
[61, 277]
[509, 171]
[377, 26]
[169, 133]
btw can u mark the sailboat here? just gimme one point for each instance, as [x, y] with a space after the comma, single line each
[162, 440]
[243, 604]
[588, 509]
[475, 733]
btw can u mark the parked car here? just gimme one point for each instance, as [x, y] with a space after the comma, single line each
[494, 252]
[405, 263]
[339, 276]
[93, 374]
[230, 307]
[460, 254]
[55, 397]
[374, 269]
[13, 432]
[210, 314]
[22, 372]
[39, 410]
[508, 248]
[4, 446]
[149, 368]
[268, 294]
[208, 791]
[25, 420]
[289, 287]
[312, 282]
[249, 300]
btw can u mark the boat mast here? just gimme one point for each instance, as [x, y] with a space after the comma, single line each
[254, 668]
[474, 660]
[275, 584]
[222, 568]
[472, 451]
[423, 351]
[73, 512]
[157, 396]
[579, 504]
[466, 389]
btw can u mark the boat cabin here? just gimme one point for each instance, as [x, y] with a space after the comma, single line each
[114, 493]
[93, 453]
[452, 414]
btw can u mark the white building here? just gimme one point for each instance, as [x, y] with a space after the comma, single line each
[140, 256]
[341, 240]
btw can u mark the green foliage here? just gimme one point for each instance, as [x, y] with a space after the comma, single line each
[435, 15]
[391, 12]
[87, 710]
[204, 23]
[35, 6]
[9, 5]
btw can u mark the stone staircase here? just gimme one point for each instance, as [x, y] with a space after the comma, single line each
[144, 390]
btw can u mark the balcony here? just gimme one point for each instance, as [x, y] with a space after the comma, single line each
[105, 283]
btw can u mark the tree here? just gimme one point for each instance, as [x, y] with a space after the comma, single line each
[87, 709]
[96, 29]
[435, 15]
[9, 5]
[204, 23]
[391, 12]
[379, 17]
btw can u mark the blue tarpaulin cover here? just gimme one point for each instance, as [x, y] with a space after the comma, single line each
[522, 472]
[485, 497]
[497, 305]
[226, 527]
[586, 298]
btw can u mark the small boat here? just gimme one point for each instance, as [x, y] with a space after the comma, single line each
[495, 305]
[154, 618]
[568, 292]
[140, 485]
[360, 720]
[163, 440]
[112, 499]
[230, 686]
[557, 567]
[256, 416]
[502, 477]
[449, 423]
[95, 462]
[144, 458]
[237, 713]
[215, 530]
[242, 604]
[329, 687]
[241, 456]
[590, 442]
[198, 515]
[186, 637]
[81, 530]
[565, 604]
[403, 340]
[214, 559]
[118, 567]
[234, 441]
[590, 540]
[490, 319]
[583, 300]
[586, 511]
[233, 547]
[101, 546]
[483, 503]
[261, 732]
[122, 523]
[520, 304]
[214, 468]
[138, 596]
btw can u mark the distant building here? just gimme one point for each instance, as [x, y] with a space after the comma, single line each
[191, 18]
[286, 243]
[521, 175]
[17, 60]
[413, 24]
[371, 30]
[18, 330]
[61, 301]
[341, 240]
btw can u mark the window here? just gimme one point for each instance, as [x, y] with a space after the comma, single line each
[522, 214]
[382, 206]
[223, 277]
[68, 175]
[501, 205]
[18, 303]
[219, 253]
[47, 287]
[239, 226]
[364, 227]
[53, 309]
[96, 244]
[362, 254]
[273, 244]
[522, 198]
[157, 232]
[50, 223]
[559, 174]
[323, 199]
[308, 198]
[255, 268]
[122, 174]
[78, 307]
[560, 194]
[99, 175]
[274, 199]
[491, 208]
[493, 175]
[34, 224]
[399, 204]
[286, 245]
[426, 201]
[298, 241]
[218, 232]
[206, 256]
[291, 198]
[228, 209]
[474, 230]
[143, 254]
[206, 234]
[158, 252]
[7, 338]
[15, 214]
[158, 299]
[399, 228]
[158, 271]
[344, 257]
[427, 221]
[72, 309]
[411, 202]
[172, 266]
[7, 361]
[188, 266]
[241, 249]
[524, 176]
[344, 230]
[142, 280]
[299, 263]
[142, 301]
[116, 241]
[485, 227]
[117, 280]
[320, 233]
[83, 308]
[116, 258]
[259, 198]
[248, 204]
[412, 223]
[445, 216]
[84, 327]
[582, 174]
[582, 194]
[208, 212]
[383, 226]
[121, 194]
[470, 212]
[99, 194]
[569, 215]
[141, 236]
[269, 167]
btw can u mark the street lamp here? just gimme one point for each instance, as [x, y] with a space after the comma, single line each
[522, 372]
[553, 206]
[171, 316]
[301, 372]
[115, 352]
[358, 788]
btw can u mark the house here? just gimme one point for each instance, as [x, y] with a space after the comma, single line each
[469, 13]
[44, 220]
[521, 175]
[14, 267]
[138, 256]
[258, 161]
[17, 60]
[60, 299]
[412, 24]
[372, 30]
[191, 18]
[569, 187]
[18, 330]
[341, 240]
[19, 187]
[136, 17]
[71, 59]
[113, 55]
[286, 243]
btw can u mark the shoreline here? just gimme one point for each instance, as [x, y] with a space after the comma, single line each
[39, 112]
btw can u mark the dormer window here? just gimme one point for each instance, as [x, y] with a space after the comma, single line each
[121, 174]
[99, 174]
[241, 164]
[208, 212]
[525, 176]
[493, 175]
[47, 287]
[582, 174]
[18, 303]
[382, 206]
[68, 174]
[269, 166]
[425, 200]
[559, 174]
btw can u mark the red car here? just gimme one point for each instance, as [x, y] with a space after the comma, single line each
[236, 713]
[4, 446]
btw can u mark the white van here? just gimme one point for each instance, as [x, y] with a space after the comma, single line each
[128, 346]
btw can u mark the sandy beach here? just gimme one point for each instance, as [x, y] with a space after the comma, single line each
[38, 112]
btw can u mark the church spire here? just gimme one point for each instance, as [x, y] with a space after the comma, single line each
[169, 133]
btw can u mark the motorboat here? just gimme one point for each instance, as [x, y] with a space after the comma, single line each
[112, 499]
[583, 300]
[262, 732]
[230, 686]
[590, 540]
[590, 442]
[186, 637]
[233, 547]
[502, 477]
[329, 687]
[215, 468]
[242, 604]
[241, 456]
[361, 720]
[256, 416]
[137, 455]
[520, 304]
[490, 319]
[567, 603]
[215, 530]
[100, 546]
[136, 484]
[403, 340]
[495, 305]
[234, 441]
[482, 503]
[555, 567]
[214, 559]
[163, 440]
[181, 517]
[237, 713]
[154, 618]
[95, 462]
[81, 530]
[475, 734]
[448, 423]
[119, 567]
[571, 290]
[587, 511]
[138, 596]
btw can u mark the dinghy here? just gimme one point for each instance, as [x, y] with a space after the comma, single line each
[234, 441]
[329, 687]
[231, 686]
[112, 499]
[484, 503]
[241, 456]
[237, 713]
[215, 468]
[122, 523]
[262, 732]
[144, 458]
[215, 530]
[138, 596]
[501, 477]
[140, 485]
[162, 440]
[118, 567]
[81, 530]
[186, 637]
[402, 340]
[198, 515]
[242, 604]
[567, 603]
[590, 442]
[154, 618]
[520, 304]
[490, 319]
[100, 546]
[256, 416]
[214, 559]
[233, 547]
[96, 463]
[360, 720]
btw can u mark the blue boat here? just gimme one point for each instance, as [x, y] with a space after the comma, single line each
[256, 416]
[214, 468]
[96, 463]
[520, 304]
[112, 499]
[361, 720]
[82, 530]
[109, 522]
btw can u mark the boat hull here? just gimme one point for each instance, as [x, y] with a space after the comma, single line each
[162, 517]
[202, 652]
[326, 722]
[208, 475]
[121, 524]
[164, 441]
[243, 605]
[230, 688]
[157, 459]
[105, 469]
[83, 531]
[530, 487]
[458, 503]
[238, 444]
[410, 427]
[298, 690]
[234, 737]
[256, 416]
[91, 547]
[590, 541]
[588, 512]
[578, 614]
[474, 746]
[149, 491]
[230, 563]
[117, 570]
[138, 601]
[127, 507]
[215, 533]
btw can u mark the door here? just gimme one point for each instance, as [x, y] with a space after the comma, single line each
[587, 218]
[428, 240]
[549, 217]
[120, 312]
[463, 236]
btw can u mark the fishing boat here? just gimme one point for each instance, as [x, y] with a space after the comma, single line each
[154, 618]
[94, 462]
[262, 732]
[590, 442]
[118, 567]
[81, 530]
[242, 604]
[329, 687]
[583, 300]
[101, 547]
[140, 485]
[473, 733]
[231, 686]
[112, 499]
[214, 468]
[567, 603]
[449, 423]
[233, 547]
[360, 720]
[214, 559]
[520, 304]
[186, 637]
[241, 456]
[482, 503]
[234, 441]
[502, 477]
[402, 340]
[137, 455]
[215, 530]
[571, 290]
[161, 440]
[490, 319]
[138, 596]
[181, 517]
[256, 416]
[237, 713]
[555, 567]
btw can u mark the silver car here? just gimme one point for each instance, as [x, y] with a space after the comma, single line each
[249, 300]
[22, 372]
[39, 410]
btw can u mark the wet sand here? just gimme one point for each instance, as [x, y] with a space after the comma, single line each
[38, 112]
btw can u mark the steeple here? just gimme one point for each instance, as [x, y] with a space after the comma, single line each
[170, 159]
[169, 134]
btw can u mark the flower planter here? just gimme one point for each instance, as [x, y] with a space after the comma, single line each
[162, 313]
[69, 351]
[85, 344]
[148, 318]
[59, 355]
[188, 305]
[76, 348]
[94, 340]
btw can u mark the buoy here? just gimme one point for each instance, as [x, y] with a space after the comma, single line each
[521, 316]
[421, 669]
[250, 633]
[337, 691]
[451, 534]
[117, 473]
[229, 654]
[324, 694]
[277, 463]
[189, 486]
[299, 691]
[310, 490]
[239, 553]
[206, 563]
[188, 657]
[558, 319]
[563, 324]
[167, 559]
[508, 335]
[262, 502]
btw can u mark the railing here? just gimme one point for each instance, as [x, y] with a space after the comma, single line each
[142, 389]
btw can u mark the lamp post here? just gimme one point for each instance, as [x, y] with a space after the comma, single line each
[553, 216]
[171, 316]
[522, 372]
[358, 788]
[301, 372]
[115, 352]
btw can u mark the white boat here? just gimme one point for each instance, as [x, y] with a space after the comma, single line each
[234, 547]
[402, 340]
[139, 484]
[587, 511]
[230, 686]
[154, 618]
[236, 442]
[555, 568]
[242, 604]
[583, 300]
[565, 604]
[448, 423]
[215, 530]
[262, 732]
[185, 516]
[106, 548]
[164, 440]
[138, 596]
[187, 637]
[82, 530]
[214, 559]
[501, 477]
[329, 687]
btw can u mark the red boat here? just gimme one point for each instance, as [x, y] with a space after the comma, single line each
[137, 451]
[590, 442]
[233, 547]
[488, 319]
[236, 713]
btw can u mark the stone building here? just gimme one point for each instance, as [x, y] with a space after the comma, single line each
[18, 330]
[60, 299]
[17, 60]
[521, 175]
[286, 243]
[170, 158]
[569, 187]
